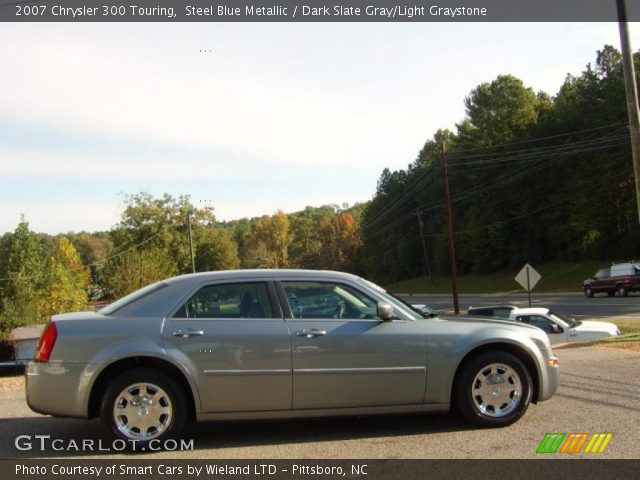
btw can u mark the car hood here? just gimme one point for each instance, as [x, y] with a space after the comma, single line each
[484, 321]
[593, 326]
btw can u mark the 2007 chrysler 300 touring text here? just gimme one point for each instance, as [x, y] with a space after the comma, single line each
[259, 344]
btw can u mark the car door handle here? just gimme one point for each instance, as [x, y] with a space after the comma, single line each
[311, 333]
[187, 333]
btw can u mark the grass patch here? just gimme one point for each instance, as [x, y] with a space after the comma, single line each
[629, 331]
[556, 277]
[629, 338]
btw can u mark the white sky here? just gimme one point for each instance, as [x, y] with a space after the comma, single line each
[276, 116]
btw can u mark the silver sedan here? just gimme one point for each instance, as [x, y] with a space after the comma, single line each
[262, 344]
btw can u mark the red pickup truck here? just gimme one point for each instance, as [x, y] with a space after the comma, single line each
[620, 278]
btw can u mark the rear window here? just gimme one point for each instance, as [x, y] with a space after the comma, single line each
[131, 298]
[621, 270]
[485, 312]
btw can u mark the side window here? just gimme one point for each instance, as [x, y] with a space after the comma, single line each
[502, 312]
[231, 300]
[540, 322]
[328, 300]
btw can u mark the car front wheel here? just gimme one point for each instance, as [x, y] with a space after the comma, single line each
[588, 292]
[142, 405]
[493, 390]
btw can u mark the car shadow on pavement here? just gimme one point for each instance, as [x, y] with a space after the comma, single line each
[37, 433]
[244, 434]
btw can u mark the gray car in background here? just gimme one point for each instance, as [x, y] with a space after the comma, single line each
[267, 344]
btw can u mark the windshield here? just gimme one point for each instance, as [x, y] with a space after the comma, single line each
[408, 305]
[132, 297]
[395, 299]
[563, 320]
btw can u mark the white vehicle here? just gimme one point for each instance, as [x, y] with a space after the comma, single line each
[564, 329]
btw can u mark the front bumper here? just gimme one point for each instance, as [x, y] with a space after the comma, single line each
[550, 377]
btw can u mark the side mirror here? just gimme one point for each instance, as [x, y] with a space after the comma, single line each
[385, 311]
[556, 328]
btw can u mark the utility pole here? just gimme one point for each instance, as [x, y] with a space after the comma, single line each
[452, 246]
[632, 94]
[193, 262]
[424, 246]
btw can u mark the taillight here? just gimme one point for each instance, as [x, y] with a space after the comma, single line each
[46, 343]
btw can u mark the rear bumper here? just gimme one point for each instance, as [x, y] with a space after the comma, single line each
[56, 388]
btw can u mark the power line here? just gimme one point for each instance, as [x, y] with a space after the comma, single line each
[529, 155]
[542, 151]
[454, 154]
[498, 182]
[422, 180]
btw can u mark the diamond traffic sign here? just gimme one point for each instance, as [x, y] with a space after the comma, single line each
[528, 277]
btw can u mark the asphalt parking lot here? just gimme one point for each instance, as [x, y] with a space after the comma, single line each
[598, 394]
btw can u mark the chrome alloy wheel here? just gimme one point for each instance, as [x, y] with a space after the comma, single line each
[142, 411]
[496, 390]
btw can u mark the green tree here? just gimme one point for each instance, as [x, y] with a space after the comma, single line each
[161, 223]
[306, 243]
[25, 276]
[135, 269]
[498, 111]
[216, 251]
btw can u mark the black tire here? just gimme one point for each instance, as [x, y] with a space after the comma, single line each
[588, 292]
[611, 293]
[506, 370]
[622, 290]
[149, 389]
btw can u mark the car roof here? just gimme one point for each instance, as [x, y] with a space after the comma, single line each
[493, 306]
[531, 311]
[265, 273]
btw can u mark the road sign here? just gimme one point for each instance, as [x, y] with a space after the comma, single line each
[528, 278]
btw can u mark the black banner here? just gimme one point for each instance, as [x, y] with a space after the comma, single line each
[314, 11]
[140, 469]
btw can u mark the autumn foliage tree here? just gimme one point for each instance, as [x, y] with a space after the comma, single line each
[67, 281]
[340, 237]
[269, 243]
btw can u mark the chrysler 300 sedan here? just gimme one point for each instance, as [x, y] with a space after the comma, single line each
[267, 344]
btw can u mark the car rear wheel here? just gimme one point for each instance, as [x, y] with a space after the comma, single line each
[622, 291]
[493, 390]
[143, 405]
[588, 292]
